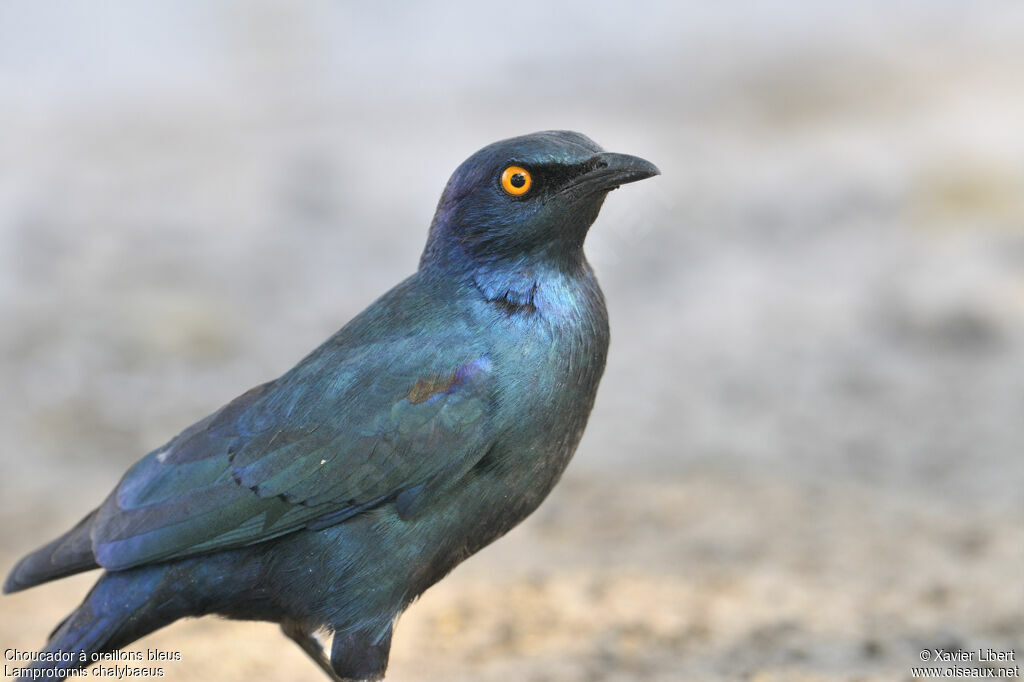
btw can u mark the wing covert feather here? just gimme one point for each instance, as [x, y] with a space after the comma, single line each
[324, 441]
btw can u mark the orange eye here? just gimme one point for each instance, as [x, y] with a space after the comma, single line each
[516, 180]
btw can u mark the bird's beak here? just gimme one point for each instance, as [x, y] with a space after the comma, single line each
[608, 170]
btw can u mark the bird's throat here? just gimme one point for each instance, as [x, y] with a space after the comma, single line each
[512, 289]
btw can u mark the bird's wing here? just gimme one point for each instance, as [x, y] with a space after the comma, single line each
[344, 431]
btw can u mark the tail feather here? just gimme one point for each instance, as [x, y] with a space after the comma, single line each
[72, 643]
[69, 554]
[119, 609]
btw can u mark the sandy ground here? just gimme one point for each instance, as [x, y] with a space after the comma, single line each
[805, 462]
[702, 577]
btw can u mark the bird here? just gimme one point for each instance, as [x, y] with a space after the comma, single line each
[327, 500]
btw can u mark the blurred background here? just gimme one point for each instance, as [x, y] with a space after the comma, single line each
[806, 461]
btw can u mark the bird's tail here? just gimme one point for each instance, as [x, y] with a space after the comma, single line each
[71, 648]
[69, 554]
[117, 611]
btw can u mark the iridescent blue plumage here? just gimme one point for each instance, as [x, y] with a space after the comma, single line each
[428, 426]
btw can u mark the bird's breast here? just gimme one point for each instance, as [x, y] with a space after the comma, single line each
[551, 361]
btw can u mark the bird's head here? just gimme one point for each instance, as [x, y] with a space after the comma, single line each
[533, 196]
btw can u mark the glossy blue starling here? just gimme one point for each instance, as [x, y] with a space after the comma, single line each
[432, 423]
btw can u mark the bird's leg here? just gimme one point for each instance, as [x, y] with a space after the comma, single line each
[311, 645]
[361, 655]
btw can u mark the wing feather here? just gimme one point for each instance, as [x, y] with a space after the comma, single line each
[340, 432]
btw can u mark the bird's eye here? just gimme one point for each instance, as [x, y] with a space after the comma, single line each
[516, 180]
